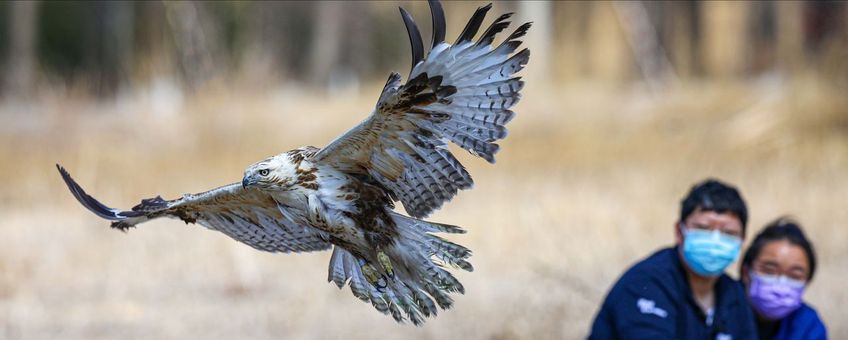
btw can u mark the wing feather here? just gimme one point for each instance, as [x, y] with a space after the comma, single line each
[246, 215]
[473, 25]
[414, 37]
[460, 93]
[438, 16]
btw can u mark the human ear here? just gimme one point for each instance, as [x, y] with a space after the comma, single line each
[745, 276]
[678, 234]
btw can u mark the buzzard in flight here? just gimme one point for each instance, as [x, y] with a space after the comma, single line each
[342, 197]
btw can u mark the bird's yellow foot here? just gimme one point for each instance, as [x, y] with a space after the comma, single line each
[385, 263]
[372, 275]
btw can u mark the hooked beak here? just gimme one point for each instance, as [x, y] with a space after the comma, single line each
[247, 181]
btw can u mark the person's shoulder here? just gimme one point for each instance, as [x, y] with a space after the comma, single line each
[808, 315]
[660, 264]
[656, 271]
[729, 286]
[805, 322]
[646, 295]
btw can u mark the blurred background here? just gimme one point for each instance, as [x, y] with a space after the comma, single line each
[627, 105]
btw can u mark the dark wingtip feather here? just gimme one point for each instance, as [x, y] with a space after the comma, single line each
[392, 81]
[489, 155]
[524, 55]
[394, 77]
[414, 38]
[391, 86]
[473, 24]
[496, 27]
[438, 21]
[87, 201]
[520, 31]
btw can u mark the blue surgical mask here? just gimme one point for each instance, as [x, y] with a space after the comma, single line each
[708, 252]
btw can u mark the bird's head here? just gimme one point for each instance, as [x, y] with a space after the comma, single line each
[272, 173]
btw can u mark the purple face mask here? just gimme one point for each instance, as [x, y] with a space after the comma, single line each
[774, 297]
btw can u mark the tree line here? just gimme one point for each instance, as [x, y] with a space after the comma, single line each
[113, 45]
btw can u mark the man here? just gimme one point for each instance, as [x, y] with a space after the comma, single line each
[682, 292]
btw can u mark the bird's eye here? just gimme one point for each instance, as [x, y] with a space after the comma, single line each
[263, 172]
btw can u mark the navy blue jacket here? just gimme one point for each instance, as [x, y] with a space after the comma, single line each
[803, 323]
[652, 300]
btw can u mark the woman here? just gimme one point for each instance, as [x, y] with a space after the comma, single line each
[776, 269]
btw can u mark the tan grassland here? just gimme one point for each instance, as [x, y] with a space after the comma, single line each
[588, 182]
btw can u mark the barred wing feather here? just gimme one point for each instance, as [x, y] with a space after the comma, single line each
[460, 93]
[246, 215]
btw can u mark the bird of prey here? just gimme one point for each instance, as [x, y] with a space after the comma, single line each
[341, 197]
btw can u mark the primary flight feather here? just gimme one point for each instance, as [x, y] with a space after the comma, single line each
[342, 196]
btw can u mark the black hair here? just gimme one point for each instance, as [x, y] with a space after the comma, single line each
[713, 195]
[783, 228]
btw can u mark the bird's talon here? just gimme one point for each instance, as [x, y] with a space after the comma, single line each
[370, 273]
[385, 263]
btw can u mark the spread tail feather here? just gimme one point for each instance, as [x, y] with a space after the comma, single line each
[421, 281]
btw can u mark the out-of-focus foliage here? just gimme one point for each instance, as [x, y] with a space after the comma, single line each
[111, 46]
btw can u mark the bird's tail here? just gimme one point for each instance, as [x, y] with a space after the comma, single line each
[419, 259]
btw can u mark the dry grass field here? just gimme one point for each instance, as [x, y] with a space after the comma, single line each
[588, 182]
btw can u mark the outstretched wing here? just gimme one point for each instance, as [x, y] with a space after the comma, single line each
[460, 92]
[247, 215]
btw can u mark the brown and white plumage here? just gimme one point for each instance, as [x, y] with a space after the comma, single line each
[342, 196]
[248, 215]
[461, 93]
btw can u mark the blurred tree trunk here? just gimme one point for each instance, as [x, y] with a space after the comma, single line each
[152, 50]
[609, 59]
[571, 27]
[762, 39]
[326, 43]
[681, 36]
[196, 41]
[264, 35]
[541, 37]
[110, 46]
[360, 45]
[20, 79]
[725, 38]
[826, 38]
[790, 38]
[644, 40]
